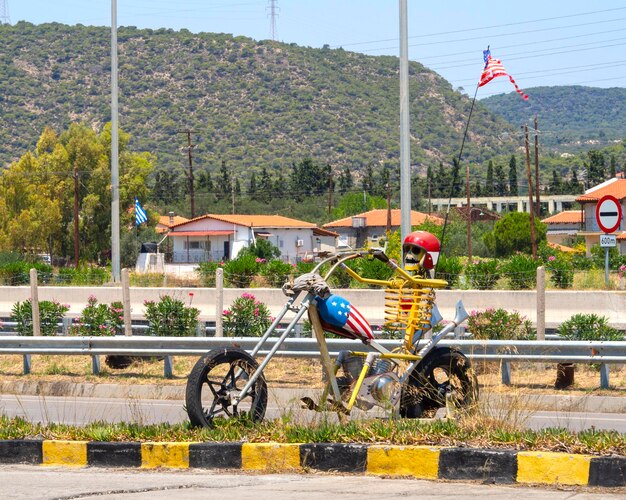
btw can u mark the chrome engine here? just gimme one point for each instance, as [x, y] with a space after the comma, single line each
[381, 386]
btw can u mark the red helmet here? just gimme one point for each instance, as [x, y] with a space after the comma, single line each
[421, 250]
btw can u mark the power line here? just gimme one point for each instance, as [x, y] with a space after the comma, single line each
[483, 27]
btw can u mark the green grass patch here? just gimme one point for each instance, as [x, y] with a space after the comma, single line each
[474, 431]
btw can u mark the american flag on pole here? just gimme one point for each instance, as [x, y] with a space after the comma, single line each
[493, 69]
[140, 213]
[338, 312]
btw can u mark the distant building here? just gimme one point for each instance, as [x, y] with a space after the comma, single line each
[591, 231]
[167, 221]
[214, 237]
[370, 227]
[563, 228]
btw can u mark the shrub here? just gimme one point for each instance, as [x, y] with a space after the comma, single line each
[170, 317]
[483, 274]
[99, 319]
[588, 327]
[521, 270]
[206, 272]
[50, 315]
[276, 272]
[86, 275]
[239, 272]
[247, 317]
[561, 271]
[373, 269]
[449, 269]
[499, 324]
[262, 249]
[18, 272]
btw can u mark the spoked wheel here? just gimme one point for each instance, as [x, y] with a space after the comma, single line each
[443, 373]
[215, 379]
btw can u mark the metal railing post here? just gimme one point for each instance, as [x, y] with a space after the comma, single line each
[604, 376]
[506, 373]
[26, 364]
[95, 364]
[167, 367]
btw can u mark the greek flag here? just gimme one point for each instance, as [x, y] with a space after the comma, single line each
[140, 213]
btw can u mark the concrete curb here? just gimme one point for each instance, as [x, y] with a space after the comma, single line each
[422, 462]
[551, 402]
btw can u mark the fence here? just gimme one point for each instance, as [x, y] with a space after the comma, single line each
[503, 351]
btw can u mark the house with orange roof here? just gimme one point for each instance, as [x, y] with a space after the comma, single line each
[592, 232]
[166, 222]
[216, 237]
[370, 226]
[563, 228]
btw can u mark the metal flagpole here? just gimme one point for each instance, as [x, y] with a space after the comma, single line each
[115, 188]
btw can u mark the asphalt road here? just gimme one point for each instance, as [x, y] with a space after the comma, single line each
[52, 483]
[81, 410]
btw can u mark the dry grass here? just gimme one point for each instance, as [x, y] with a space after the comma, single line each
[526, 378]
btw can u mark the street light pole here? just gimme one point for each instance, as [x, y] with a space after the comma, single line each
[115, 183]
[405, 147]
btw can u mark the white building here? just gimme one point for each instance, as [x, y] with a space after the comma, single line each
[214, 237]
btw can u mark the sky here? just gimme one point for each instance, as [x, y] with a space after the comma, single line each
[540, 43]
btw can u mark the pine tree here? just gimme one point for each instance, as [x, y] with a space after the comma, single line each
[501, 187]
[513, 176]
[346, 182]
[252, 189]
[489, 186]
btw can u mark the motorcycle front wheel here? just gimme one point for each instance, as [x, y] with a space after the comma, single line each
[215, 378]
[443, 373]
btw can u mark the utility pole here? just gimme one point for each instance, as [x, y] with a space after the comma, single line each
[538, 210]
[531, 208]
[469, 213]
[330, 191]
[190, 175]
[388, 228]
[76, 226]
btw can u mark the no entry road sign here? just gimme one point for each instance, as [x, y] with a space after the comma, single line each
[608, 213]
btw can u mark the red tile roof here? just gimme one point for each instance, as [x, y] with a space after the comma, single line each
[613, 187]
[566, 217]
[375, 218]
[264, 221]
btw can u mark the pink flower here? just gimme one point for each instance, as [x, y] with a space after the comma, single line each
[225, 312]
[551, 258]
[191, 294]
[247, 295]
[259, 260]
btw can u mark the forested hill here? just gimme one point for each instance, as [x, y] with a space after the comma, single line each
[570, 117]
[252, 103]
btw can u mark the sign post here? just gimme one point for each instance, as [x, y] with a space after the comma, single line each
[609, 218]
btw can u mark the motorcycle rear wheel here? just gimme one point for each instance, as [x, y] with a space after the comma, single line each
[214, 379]
[442, 371]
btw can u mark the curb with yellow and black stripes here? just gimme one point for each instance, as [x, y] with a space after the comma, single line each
[424, 462]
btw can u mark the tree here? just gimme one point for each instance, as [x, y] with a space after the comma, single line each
[224, 186]
[356, 203]
[513, 176]
[489, 184]
[252, 188]
[346, 182]
[596, 169]
[500, 181]
[39, 193]
[556, 187]
[512, 234]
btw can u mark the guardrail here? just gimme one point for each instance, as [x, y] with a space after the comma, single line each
[503, 351]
